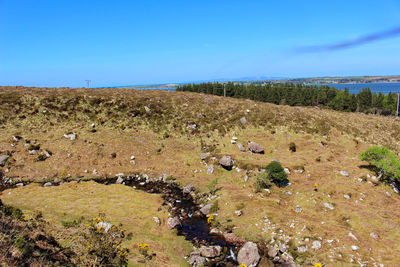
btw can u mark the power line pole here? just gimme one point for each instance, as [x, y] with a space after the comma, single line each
[398, 99]
[88, 83]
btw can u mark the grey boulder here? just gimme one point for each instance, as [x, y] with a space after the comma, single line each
[255, 148]
[226, 162]
[248, 255]
[211, 251]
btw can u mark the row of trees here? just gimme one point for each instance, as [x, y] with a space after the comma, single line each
[302, 95]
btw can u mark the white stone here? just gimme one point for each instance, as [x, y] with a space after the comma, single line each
[316, 245]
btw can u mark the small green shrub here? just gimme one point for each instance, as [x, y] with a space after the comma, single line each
[277, 174]
[292, 147]
[384, 160]
[263, 181]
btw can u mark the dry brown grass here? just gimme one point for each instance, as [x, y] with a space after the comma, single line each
[162, 144]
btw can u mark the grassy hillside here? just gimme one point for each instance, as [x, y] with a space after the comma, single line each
[153, 127]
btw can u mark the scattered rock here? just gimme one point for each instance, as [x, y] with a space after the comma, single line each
[210, 169]
[86, 171]
[282, 248]
[16, 138]
[238, 212]
[192, 127]
[200, 116]
[70, 136]
[353, 236]
[243, 120]
[272, 252]
[374, 236]
[147, 109]
[157, 220]
[255, 148]
[286, 170]
[105, 225]
[226, 162]
[188, 189]
[298, 209]
[95, 172]
[197, 261]
[48, 184]
[204, 155]
[328, 206]
[245, 178]
[3, 160]
[395, 188]
[344, 173]
[33, 152]
[354, 248]
[19, 185]
[211, 251]
[316, 245]
[174, 222]
[47, 153]
[120, 180]
[241, 147]
[248, 255]
[302, 249]
[206, 209]
[346, 196]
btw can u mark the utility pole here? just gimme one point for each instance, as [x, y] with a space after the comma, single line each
[88, 83]
[398, 99]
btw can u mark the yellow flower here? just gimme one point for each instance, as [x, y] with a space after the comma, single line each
[242, 265]
[99, 118]
[210, 219]
[317, 265]
[316, 185]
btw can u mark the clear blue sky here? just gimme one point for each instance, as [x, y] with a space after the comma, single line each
[64, 42]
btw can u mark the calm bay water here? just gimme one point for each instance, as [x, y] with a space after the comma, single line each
[375, 87]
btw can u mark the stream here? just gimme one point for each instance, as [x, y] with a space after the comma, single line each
[194, 226]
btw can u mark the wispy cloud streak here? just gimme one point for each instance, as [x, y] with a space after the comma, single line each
[343, 45]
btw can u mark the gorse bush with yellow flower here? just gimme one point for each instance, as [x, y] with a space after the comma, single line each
[100, 244]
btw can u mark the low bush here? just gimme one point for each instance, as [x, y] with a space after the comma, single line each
[277, 174]
[292, 147]
[385, 161]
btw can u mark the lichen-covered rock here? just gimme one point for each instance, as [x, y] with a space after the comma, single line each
[211, 251]
[248, 255]
[174, 222]
[206, 209]
[255, 148]
[226, 162]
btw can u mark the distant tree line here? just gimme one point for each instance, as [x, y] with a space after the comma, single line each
[302, 95]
